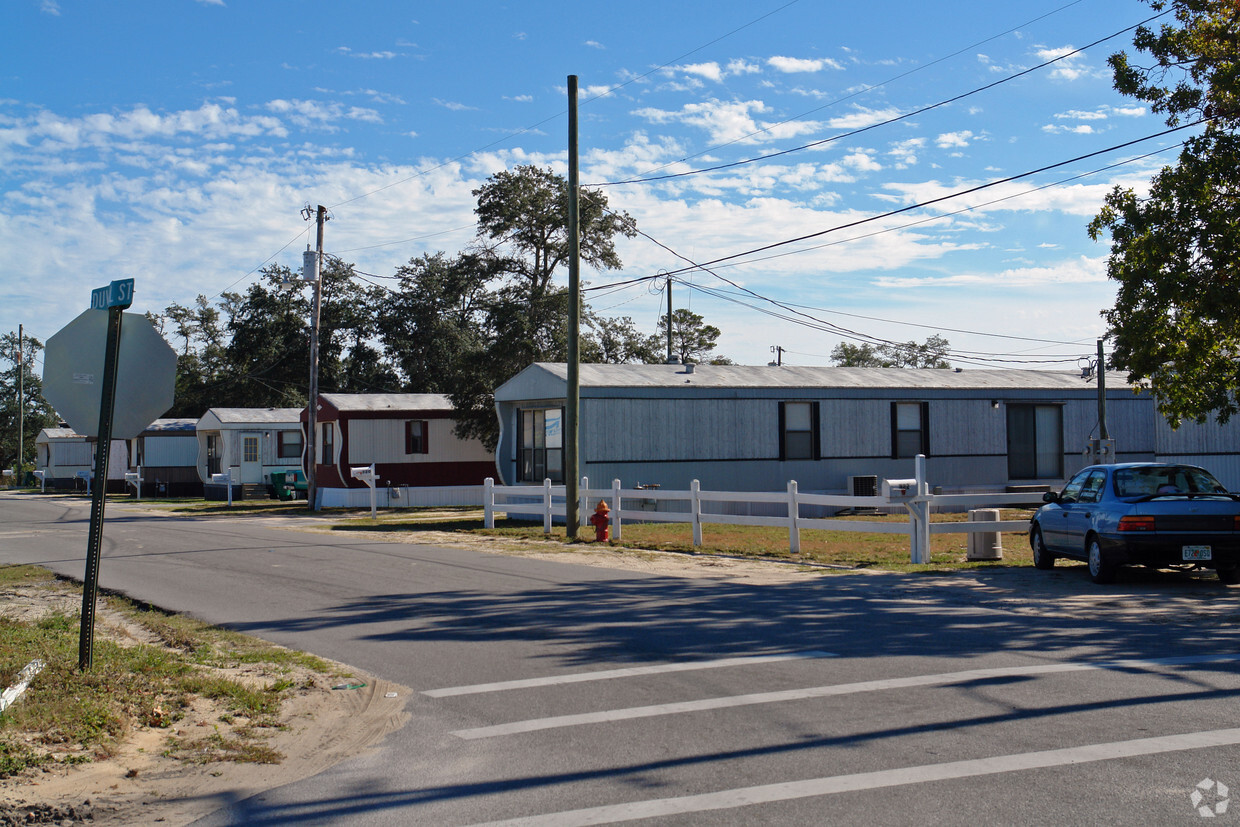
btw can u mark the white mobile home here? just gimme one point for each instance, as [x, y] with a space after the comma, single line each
[67, 458]
[832, 429]
[250, 442]
[165, 456]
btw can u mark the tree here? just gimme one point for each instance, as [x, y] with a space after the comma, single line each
[34, 414]
[619, 342]
[931, 353]
[522, 243]
[692, 338]
[1175, 324]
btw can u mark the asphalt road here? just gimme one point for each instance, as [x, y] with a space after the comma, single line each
[549, 693]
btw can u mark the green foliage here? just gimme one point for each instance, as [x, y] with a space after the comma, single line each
[692, 339]
[1175, 323]
[931, 353]
[34, 414]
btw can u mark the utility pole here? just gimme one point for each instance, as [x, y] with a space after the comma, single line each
[671, 360]
[21, 403]
[312, 409]
[1102, 394]
[572, 405]
[779, 355]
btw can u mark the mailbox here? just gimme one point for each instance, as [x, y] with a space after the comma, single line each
[900, 489]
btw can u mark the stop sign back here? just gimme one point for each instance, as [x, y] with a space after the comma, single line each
[73, 362]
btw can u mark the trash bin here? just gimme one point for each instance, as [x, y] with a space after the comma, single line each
[985, 545]
[281, 485]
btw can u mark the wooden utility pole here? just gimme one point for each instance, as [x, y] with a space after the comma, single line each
[671, 360]
[21, 402]
[572, 405]
[1103, 433]
[312, 409]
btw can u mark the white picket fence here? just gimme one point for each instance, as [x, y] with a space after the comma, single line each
[549, 501]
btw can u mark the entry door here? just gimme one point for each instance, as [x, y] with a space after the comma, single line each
[251, 457]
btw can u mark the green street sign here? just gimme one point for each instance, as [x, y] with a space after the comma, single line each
[117, 294]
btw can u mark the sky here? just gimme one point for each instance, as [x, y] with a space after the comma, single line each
[793, 147]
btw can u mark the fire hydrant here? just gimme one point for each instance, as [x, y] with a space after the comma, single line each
[601, 522]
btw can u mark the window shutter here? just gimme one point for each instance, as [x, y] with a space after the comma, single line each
[925, 428]
[280, 444]
[816, 440]
[783, 450]
[895, 430]
[424, 433]
[408, 436]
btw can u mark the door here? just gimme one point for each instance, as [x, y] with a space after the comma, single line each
[1079, 516]
[251, 457]
[1054, 520]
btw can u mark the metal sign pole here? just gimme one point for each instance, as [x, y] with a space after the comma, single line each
[103, 447]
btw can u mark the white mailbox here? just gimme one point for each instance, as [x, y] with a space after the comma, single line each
[367, 475]
[899, 489]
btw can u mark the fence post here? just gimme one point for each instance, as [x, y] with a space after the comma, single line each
[547, 505]
[488, 502]
[921, 513]
[794, 519]
[695, 492]
[615, 509]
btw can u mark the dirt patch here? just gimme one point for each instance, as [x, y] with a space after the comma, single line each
[144, 781]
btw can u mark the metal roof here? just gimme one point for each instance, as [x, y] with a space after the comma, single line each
[171, 425]
[244, 415]
[388, 401]
[58, 433]
[791, 377]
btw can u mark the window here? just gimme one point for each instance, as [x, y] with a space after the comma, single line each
[417, 436]
[213, 454]
[139, 452]
[328, 454]
[249, 449]
[1072, 490]
[909, 429]
[542, 445]
[1035, 442]
[288, 444]
[1091, 491]
[798, 429]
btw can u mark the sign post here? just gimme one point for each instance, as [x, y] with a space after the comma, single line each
[88, 365]
[103, 447]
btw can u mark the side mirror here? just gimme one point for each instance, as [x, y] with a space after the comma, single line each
[1050, 497]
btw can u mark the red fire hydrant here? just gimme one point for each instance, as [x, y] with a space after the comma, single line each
[601, 521]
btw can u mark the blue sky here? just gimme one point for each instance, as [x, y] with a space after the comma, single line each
[176, 142]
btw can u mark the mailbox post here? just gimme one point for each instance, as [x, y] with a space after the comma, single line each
[367, 475]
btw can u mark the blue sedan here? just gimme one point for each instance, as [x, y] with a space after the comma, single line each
[1152, 514]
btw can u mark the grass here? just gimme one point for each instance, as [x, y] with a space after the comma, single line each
[71, 716]
[845, 549]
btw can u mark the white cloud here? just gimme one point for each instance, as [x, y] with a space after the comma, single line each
[50, 7]
[1069, 68]
[737, 66]
[1077, 271]
[728, 121]
[710, 71]
[594, 44]
[954, 140]
[454, 106]
[321, 115]
[219, 3]
[862, 117]
[519, 98]
[797, 64]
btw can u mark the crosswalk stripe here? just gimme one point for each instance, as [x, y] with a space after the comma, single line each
[626, 672]
[767, 793]
[787, 695]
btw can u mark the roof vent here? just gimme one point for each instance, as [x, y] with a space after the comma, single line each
[689, 366]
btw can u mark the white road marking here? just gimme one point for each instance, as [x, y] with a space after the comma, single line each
[626, 672]
[787, 695]
[746, 796]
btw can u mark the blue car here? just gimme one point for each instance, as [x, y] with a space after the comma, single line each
[1152, 514]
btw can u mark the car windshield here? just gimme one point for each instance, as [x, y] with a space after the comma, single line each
[1165, 479]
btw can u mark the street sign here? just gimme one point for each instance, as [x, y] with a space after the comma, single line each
[73, 372]
[117, 294]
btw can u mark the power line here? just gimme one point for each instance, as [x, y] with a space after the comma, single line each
[860, 130]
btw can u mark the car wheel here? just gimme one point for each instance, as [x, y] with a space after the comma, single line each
[1042, 558]
[1230, 576]
[1101, 570]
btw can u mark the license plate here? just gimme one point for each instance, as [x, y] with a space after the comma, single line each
[1196, 553]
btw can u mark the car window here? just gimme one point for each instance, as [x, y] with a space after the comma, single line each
[1073, 488]
[1091, 490]
[1162, 480]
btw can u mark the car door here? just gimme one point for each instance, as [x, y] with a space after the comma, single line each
[1078, 517]
[1054, 518]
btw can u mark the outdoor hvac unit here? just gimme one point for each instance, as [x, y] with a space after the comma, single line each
[863, 486]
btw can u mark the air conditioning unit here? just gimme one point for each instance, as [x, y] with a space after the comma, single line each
[863, 486]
